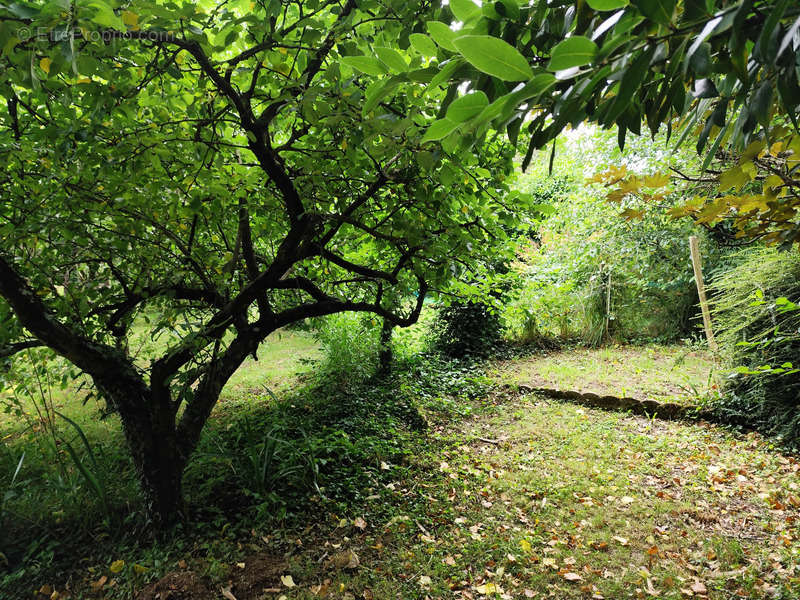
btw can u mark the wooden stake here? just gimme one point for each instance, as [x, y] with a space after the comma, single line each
[694, 248]
[608, 303]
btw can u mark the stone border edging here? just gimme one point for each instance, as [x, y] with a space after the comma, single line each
[669, 411]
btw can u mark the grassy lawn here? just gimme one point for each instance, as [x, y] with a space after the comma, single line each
[564, 502]
[280, 359]
[501, 497]
[660, 372]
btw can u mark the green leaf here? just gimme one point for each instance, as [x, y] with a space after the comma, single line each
[377, 91]
[438, 130]
[630, 83]
[660, 11]
[761, 104]
[705, 88]
[392, 59]
[464, 9]
[575, 51]
[105, 15]
[607, 4]
[445, 74]
[710, 27]
[366, 64]
[767, 44]
[422, 44]
[505, 106]
[493, 56]
[442, 34]
[467, 106]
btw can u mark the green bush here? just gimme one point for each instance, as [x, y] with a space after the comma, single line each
[758, 322]
[350, 344]
[466, 329]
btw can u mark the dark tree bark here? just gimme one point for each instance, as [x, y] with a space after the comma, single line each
[385, 354]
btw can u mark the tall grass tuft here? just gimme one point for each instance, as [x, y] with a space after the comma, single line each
[758, 321]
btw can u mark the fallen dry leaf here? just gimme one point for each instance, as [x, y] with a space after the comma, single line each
[574, 577]
[226, 591]
[344, 560]
[699, 587]
[360, 523]
[549, 562]
[98, 585]
[623, 541]
[288, 581]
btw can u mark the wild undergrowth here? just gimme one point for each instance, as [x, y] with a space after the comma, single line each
[71, 509]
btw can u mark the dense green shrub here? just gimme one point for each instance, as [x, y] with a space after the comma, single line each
[350, 344]
[466, 329]
[758, 321]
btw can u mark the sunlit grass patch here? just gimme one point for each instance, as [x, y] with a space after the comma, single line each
[674, 373]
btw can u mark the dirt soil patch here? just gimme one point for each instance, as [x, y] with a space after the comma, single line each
[184, 585]
[260, 577]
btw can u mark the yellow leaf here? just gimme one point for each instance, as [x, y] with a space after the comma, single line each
[776, 148]
[630, 214]
[489, 588]
[630, 185]
[712, 210]
[750, 169]
[139, 568]
[656, 181]
[117, 566]
[735, 177]
[525, 545]
[744, 204]
[773, 181]
[83, 80]
[616, 196]
[288, 581]
[752, 151]
[130, 19]
[45, 64]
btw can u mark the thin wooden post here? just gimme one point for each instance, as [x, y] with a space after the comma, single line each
[694, 248]
[608, 302]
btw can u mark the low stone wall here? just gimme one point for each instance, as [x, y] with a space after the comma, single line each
[662, 410]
